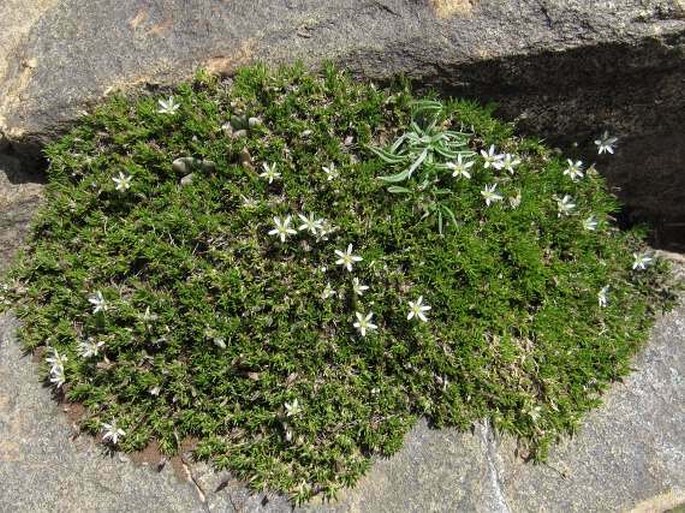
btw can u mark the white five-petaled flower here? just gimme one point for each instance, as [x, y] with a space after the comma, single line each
[89, 347]
[347, 258]
[574, 169]
[328, 292]
[641, 261]
[606, 143]
[603, 296]
[565, 205]
[508, 163]
[590, 223]
[123, 182]
[168, 106]
[269, 172]
[282, 228]
[98, 301]
[460, 168]
[358, 288]
[490, 158]
[309, 223]
[331, 172]
[417, 309]
[364, 323]
[112, 432]
[490, 194]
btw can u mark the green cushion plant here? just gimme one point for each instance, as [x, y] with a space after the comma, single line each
[291, 268]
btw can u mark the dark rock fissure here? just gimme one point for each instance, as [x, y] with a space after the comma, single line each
[636, 92]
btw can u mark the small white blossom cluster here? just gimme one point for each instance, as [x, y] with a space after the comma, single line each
[363, 322]
[315, 226]
[499, 161]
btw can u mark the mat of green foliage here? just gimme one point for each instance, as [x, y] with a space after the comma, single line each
[291, 268]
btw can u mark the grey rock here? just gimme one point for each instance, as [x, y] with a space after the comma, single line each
[184, 165]
[43, 470]
[630, 453]
[20, 194]
[565, 70]
[187, 179]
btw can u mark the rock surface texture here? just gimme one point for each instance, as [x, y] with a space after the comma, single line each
[566, 70]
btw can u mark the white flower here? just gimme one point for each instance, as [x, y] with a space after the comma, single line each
[490, 158]
[90, 347]
[460, 168]
[490, 195]
[358, 288]
[112, 432]
[309, 223]
[347, 258]
[248, 202]
[99, 302]
[417, 308]
[508, 163]
[574, 169]
[363, 323]
[603, 296]
[293, 408]
[57, 376]
[123, 182]
[168, 106]
[515, 201]
[641, 261]
[606, 143]
[331, 172]
[56, 360]
[590, 223]
[269, 172]
[328, 292]
[282, 228]
[565, 205]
